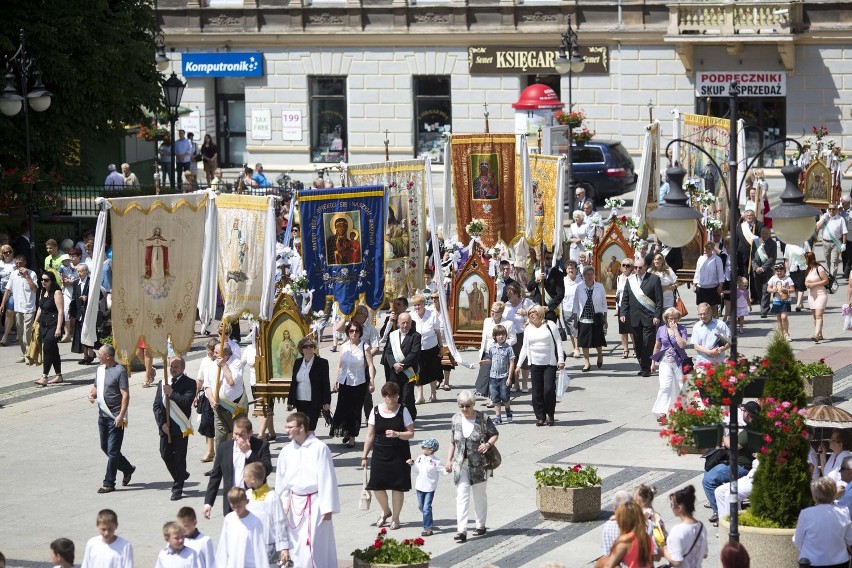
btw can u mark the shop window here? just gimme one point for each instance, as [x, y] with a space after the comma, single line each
[328, 119]
[432, 115]
[765, 122]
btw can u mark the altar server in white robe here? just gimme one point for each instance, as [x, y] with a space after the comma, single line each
[242, 543]
[307, 484]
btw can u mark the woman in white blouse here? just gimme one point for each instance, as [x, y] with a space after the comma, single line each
[543, 348]
[668, 278]
[824, 531]
[426, 323]
[488, 324]
[839, 444]
[686, 545]
[590, 313]
[355, 377]
[576, 234]
[515, 314]
[310, 391]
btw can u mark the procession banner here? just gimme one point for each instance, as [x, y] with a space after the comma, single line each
[156, 271]
[405, 237]
[714, 136]
[484, 185]
[343, 245]
[546, 195]
[648, 179]
[246, 254]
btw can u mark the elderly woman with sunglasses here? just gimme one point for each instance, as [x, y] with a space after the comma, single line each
[310, 392]
[473, 433]
[625, 332]
[355, 377]
[669, 356]
[543, 348]
[7, 266]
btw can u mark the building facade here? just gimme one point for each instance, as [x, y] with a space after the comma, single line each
[302, 84]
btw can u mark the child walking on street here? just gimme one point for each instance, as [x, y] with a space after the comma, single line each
[502, 359]
[265, 504]
[780, 286]
[743, 303]
[63, 553]
[428, 469]
[175, 554]
[107, 549]
[195, 539]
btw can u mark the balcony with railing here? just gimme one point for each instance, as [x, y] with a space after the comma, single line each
[756, 18]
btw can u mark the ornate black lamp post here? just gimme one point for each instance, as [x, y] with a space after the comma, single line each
[20, 68]
[173, 91]
[570, 47]
[674, 224]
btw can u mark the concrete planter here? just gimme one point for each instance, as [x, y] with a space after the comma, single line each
[821, 385]
[362, 564]
[768, 548]
[572, 504]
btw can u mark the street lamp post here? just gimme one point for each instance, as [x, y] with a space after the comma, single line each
[21, 66]
[173, 91]
[570, 46]
[674, 224]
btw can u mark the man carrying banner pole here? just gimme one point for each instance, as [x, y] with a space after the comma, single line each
[229, 398]
[172, 408]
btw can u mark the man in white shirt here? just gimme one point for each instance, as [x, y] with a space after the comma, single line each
[709, 276]
[23, 287]
[572, 279]
[845, 211]
[183, 154]
[231, 392]
[710, 336]
[833, 232]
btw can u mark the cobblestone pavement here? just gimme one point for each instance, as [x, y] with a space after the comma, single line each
[51, 461]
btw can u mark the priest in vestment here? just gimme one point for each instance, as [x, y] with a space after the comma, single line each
[306, 482]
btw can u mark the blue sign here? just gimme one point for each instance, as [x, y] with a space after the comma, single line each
[223, 64]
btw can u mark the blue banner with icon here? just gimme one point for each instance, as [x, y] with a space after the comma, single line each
[343, 245]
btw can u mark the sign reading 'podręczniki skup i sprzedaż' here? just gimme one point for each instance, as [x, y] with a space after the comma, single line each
[749, 83]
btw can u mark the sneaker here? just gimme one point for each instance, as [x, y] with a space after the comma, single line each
[787, 337]
[21, 360]
[497, 420]
[508, 415]
[489, 404]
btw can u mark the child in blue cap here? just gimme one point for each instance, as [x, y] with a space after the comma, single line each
[429, 470]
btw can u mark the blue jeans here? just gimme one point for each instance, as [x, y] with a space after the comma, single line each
[715, 478]
[111, 439]
[424, 503]
[498, 390]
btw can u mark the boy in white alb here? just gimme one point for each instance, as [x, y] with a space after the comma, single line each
[195, 539]
[241, 543]
[429, 470]
[265, 504]
[108, 550]
[176, 554]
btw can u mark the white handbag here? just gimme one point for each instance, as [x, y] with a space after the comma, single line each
[563, 381]
[366, 495]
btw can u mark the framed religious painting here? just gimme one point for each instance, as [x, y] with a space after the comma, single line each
[472, 296]
[818, 189]
[611, 250]
[277, 350]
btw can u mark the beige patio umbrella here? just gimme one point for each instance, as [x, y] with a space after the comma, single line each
[826, 416]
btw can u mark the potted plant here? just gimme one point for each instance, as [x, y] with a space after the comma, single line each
[580, 137]
[572, 119]
[31, 186]
[730, 381]
[385, 552]
[781, 485]
[569, 494]
[688, 418]
[818, 378]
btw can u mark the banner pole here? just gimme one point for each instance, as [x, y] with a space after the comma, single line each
[218, 368]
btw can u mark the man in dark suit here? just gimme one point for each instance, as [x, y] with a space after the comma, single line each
[747, 234]
[180, 392]
[554, 286]
[79, 302]
[504, 280]
[401, 369]
[581, 199]
[241, 450]
[642, 307]
[762, 262]
[23, 245]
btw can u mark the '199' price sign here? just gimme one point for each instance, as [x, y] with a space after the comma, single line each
[291, 124]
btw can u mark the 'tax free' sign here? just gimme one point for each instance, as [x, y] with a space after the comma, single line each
[750, 83]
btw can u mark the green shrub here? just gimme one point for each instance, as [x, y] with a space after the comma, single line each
[782, 481]
[577, 476]
[747, 519]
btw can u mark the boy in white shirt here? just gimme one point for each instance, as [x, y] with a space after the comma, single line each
[107, 550]
[428, 469]
[780, 286]
[264, 503]
[201, 543]
[241, 542]
[176, 554]
[62, 551]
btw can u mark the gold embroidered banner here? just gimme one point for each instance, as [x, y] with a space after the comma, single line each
[241, 224]
[544, 171]
[405, 237]
[156, 266]
[484, 175]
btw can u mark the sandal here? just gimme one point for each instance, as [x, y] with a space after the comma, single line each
[42, 382]
[625, 355]
[55, 380]
[394, 525]
[383, 520]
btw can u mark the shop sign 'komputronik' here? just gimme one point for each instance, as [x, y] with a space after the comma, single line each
[490, 60]
[751, 83]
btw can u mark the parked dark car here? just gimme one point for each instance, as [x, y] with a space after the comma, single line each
[603, 167]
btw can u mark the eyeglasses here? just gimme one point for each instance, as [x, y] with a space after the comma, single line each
[629, 266]
[465, 405]
[353, 330]
[45, 279]
[7, 252]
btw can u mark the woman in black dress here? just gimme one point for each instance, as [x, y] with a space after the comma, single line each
[389, 430]
[590, 309]
[310, 391]
[356, 376]
[51, 309]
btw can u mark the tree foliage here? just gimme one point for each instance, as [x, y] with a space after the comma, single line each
[97, 58]
[782, 482]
